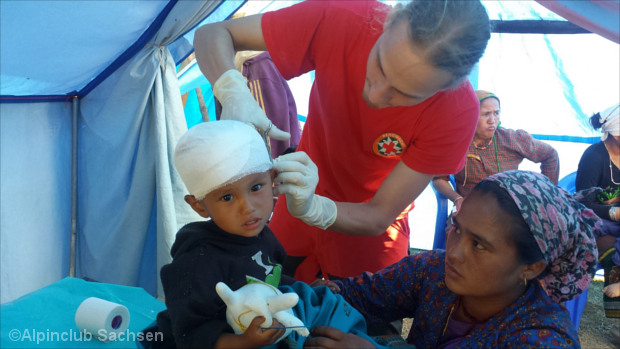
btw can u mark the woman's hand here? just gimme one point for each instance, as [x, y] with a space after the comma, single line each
[329, 337]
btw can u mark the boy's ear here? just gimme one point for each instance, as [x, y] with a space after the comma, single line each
[196, 206]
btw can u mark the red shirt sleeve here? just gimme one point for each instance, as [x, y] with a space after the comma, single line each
[288, 34]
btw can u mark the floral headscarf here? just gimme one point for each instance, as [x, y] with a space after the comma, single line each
[563, 229]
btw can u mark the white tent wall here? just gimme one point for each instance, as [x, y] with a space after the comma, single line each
[550, 88]
[35, 148]
[132, 121]
[130, 198]
[551, 84]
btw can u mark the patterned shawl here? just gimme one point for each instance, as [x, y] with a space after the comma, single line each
[563, 228]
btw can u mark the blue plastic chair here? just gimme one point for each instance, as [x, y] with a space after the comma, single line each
[439, 241]
[568, 182]
[576, 305]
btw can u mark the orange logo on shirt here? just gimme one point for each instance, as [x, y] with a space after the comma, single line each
[389, 145]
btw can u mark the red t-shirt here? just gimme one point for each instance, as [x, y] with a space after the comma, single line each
[354, 146]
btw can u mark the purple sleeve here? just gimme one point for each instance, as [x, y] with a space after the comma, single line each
[273, 94]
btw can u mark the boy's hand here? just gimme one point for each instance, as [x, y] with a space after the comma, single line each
[253, 337]
[256, 336]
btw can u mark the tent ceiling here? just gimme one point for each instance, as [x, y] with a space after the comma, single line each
[52, 49]
[60, 48]
[78, 40]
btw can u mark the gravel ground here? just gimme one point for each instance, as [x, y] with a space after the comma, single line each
[595, 330]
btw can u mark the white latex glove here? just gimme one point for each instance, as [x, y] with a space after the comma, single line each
[297, 179]
[238, 103]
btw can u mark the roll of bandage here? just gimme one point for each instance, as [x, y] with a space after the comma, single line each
[101, 318]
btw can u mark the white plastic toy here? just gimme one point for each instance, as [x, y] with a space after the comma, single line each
[258, 298]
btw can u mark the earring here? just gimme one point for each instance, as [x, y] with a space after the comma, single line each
[524, 281]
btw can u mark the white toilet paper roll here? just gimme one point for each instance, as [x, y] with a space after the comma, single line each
[103, 319]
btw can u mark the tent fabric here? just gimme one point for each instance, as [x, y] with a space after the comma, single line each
[45, 318]
[85, 42]
[35, 192]
[568, 69]
[551, 84]
[130, 199]
[141, 106]
[79, 41]
[597, 16]
[119, 59]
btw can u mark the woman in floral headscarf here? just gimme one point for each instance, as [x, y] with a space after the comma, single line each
[518, 247]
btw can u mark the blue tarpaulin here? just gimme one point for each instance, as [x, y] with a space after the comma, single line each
[91, 108]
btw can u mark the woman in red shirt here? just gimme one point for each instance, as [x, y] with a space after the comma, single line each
[390, 107]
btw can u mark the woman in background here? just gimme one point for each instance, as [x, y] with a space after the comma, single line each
[495, 149]
[599, 167]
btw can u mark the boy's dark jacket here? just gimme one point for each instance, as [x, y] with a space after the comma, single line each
[202, 255]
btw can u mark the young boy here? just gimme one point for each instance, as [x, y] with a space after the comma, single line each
[228, 172]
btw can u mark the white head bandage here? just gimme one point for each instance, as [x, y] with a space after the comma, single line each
[610, 121]
[213, 154]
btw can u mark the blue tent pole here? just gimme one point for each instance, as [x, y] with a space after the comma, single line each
[74, 137]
